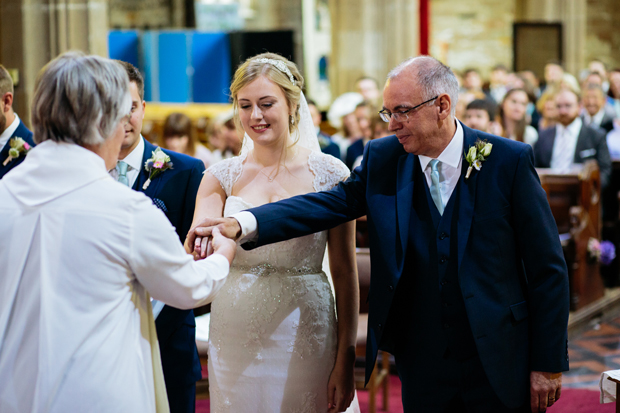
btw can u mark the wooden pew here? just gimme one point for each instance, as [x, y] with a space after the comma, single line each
[575, 200]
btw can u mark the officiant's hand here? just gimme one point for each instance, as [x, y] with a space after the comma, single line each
[197, 237]
[545, 389]
[222, 245]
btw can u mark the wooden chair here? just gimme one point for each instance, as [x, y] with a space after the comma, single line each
[381, 374]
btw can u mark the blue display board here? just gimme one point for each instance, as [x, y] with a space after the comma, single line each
[178, 66]
[123, 45]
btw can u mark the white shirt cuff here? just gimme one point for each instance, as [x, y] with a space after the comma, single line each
[248, 224]
[219, 266]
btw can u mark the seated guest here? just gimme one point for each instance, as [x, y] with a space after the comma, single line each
[325, 141]
[11, 128]
[380, 129]
[179, 137]
[497, 84]
[553, 74]
[614, 90]
[595, 112]
[363, 113]
[513, 117]
[479, 114]
[369, 88]
[613, 141]
[341, 115]
[571, 141]
[225, 137]
[86, 253]
[547, 109]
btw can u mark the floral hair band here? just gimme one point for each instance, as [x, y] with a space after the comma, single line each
[280, 65]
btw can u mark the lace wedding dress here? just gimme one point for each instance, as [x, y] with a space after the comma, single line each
[273, 331]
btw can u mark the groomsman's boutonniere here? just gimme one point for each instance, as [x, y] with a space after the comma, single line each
[18, 147]
[477, 154]
[157, 164]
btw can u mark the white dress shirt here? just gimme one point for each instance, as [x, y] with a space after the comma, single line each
[449, 173]
[449, 167]
[8, 132]
[80, 255]
[134, 163]
[565, 144]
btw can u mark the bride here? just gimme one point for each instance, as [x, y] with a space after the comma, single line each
[275, 341]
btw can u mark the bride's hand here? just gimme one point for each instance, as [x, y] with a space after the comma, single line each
[197, 236]
[340, 388]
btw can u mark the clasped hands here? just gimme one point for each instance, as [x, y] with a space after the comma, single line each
[199, 241]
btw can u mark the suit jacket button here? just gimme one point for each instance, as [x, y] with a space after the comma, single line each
[446, 325]
[443, 260]
[443, 236]
[391, 287]
[444, 282]
[380, 326]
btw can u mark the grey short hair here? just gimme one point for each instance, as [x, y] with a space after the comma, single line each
[433, 77]
[79, 99]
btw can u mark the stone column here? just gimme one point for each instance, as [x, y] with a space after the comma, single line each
[35, 31]
[369, 38]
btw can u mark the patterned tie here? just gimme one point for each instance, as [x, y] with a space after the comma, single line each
[121, 167]
[435, 188]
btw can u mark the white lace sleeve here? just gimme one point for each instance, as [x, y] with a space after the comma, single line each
[327, 170]
[227, 172]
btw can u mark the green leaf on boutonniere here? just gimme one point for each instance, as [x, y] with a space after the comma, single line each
[477, 154]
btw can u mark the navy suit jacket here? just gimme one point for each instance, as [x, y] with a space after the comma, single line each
[174, 192]
[511, 268]
[21, 132]
[591, 144]
[353, 152]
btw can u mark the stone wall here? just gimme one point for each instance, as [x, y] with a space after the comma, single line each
[602, 34]
[474, 33]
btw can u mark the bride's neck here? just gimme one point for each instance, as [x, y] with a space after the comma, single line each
[272, 155]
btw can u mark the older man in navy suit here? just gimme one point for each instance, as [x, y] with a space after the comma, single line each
[11, 126]
[174, 192]
[469, 287]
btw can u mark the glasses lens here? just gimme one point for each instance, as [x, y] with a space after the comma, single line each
[384, 116]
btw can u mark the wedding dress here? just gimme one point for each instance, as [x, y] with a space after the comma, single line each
[273, 332]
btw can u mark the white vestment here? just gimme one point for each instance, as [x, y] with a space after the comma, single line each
[79, 255]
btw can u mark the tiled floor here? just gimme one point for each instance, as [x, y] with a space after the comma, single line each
[592, 353]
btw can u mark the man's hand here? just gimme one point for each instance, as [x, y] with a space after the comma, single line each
[198, 237]
[224, 246]
[545, 389]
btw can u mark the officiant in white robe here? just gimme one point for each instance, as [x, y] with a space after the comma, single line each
[81, 255]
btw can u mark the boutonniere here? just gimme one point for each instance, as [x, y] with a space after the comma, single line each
[18, 147]
[157, 164]
[477, 154]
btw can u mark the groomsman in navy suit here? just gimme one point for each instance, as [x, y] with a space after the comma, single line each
[469, 287]
[11, 125]
[174, 192]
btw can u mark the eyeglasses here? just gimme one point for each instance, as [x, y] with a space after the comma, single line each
[402, 115]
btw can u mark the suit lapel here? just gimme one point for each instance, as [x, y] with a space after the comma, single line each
[582, 143]
[404, 198]
[467, 195]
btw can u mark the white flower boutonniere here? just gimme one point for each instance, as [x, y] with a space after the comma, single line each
[19, 147]
[477, 154]
[157, 164]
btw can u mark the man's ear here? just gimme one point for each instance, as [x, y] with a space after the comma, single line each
[445, 105]
[7, 102]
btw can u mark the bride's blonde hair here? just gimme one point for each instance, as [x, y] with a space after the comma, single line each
[257, 66]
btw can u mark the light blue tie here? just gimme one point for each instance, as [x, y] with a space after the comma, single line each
[435, 189]
[121, 167]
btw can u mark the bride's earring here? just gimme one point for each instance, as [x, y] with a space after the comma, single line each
[292, 120]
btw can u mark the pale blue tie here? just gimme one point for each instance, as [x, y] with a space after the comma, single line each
[435, 188]
[121, 167]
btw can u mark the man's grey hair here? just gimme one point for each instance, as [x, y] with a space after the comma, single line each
[79, 99]
[433, 78]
